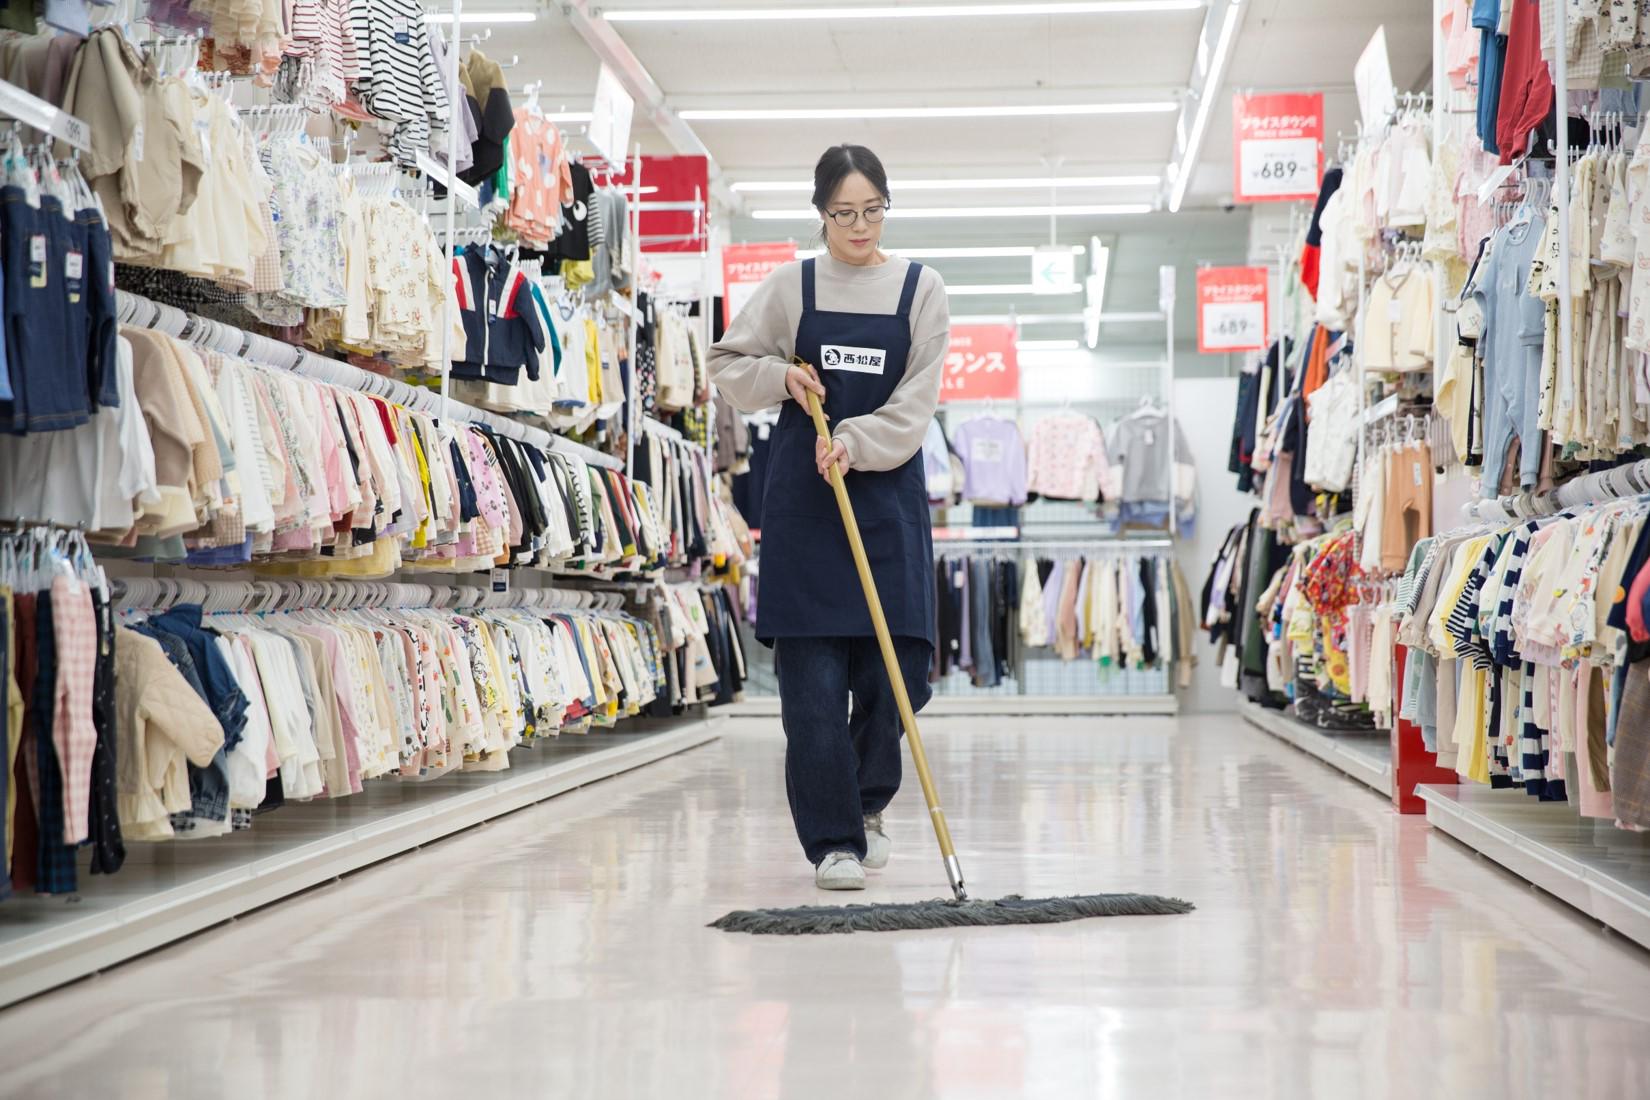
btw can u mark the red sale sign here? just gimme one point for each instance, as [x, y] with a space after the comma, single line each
[1232, 309]
[673, 218]
[1277, 153]
[981, 364]
[744, 266]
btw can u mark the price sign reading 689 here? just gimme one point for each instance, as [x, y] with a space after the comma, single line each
[1278, 154]
[1231, 309]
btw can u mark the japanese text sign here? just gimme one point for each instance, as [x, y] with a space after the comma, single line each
[744, 266]
[981, 364]
[1277, 153]
[1232, 309]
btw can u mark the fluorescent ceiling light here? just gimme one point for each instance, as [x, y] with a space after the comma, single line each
[915, 11]
[1211, 92]
[1047, 345]
[1016, 251]
[445, 17]
[1017, 318]
[811, 215]
[569, 116]
[1052, 318]
[1011, 110]
[803, 186]
[1003, 289]
[996, 252]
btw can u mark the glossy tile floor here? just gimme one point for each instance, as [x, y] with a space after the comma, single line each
[1338, 951]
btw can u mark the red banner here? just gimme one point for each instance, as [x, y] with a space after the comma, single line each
[1232, 309]
[683, 185]
[744, 266]
[1277, 151]
[982, 363]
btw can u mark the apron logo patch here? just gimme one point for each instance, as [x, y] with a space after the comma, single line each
[857, 360]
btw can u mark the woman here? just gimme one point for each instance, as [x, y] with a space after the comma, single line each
[877, 329]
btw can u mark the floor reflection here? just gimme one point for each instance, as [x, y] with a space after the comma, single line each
[1338, 951]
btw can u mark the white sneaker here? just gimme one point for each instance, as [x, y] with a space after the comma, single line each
[839, 871]
[877, 844]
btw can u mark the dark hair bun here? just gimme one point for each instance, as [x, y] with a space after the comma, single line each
[842, 161]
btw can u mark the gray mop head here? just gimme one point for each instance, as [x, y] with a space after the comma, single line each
[819, 920]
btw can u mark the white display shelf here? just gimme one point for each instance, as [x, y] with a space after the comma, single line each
[1590, 864]
[1366, 757]
[170, 890]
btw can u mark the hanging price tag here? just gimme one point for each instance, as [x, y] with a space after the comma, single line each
[1231, 309]
[1233, 325]
[1278, 167]
[1278, 147]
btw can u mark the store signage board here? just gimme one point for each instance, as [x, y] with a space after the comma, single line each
[1053, 269]
[744, 266]
[610, 118]
[1279, 147]
[1232, 307]
[981, 364]
[1372, 75]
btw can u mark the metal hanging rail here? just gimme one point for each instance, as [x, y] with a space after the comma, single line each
[261, 349]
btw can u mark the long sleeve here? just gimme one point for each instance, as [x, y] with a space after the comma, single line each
[887, 438]
[1017, 470]
[748, 363]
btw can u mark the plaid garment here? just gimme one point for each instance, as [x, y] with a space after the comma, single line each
[55, 872]
[108, 846]
[73, 734]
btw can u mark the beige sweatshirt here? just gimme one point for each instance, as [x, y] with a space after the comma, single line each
[748, 364]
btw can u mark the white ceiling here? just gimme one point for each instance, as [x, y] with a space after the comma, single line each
[1283, 45]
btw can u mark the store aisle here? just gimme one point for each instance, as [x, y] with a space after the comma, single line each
[1338, 951]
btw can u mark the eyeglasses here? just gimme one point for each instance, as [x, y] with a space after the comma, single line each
[845, 218]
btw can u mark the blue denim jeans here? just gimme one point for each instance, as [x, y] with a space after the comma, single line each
[839, 764]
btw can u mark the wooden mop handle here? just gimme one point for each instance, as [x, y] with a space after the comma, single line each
[902, 698]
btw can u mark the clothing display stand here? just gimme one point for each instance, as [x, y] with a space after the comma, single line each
[1065, 678]
[138, 311]
[1366, 757]
[1589, 864]
[1600, 869]
[165, 891]
[1038, 683]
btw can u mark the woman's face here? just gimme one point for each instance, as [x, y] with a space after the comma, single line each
[856, 242]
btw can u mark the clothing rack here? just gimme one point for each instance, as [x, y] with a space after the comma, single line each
[1616, 484]
[261, 596]
[1102, 546]
[662, 430]
[141, 312]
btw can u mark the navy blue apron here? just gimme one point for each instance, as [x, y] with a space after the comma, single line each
[809, 587]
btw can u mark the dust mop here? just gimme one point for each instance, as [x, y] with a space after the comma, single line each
[959, 910]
